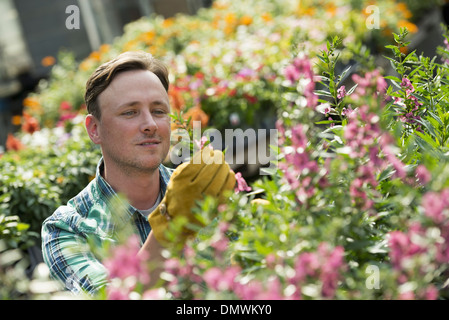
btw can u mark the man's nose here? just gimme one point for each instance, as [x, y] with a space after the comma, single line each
[148, 125]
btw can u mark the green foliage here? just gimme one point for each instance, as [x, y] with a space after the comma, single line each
[35, 181]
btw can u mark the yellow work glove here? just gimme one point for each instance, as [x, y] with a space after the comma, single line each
[207, 173]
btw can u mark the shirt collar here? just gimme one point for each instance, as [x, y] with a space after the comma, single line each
[122, 210]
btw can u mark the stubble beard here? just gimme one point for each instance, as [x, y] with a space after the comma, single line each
[132, 166]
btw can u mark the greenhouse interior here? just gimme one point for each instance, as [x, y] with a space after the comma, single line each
[321, 130]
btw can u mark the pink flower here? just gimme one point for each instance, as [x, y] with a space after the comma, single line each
[125, 262]
[434, 205]
[292, 73]
[241, 183]
[219, 280]
[326, 264]
[200, 144]
[249, 291]
[212, 277]
[406, 83]
[351, 130]
[423, 174]
[403, 246]
[272, 291]
[395, 162]
[114, 293]
[408, 295]
[301, 69]
[221, 245]
[306, 264]
[399, 243]
[431, 293]
[299, 138]
[381, 84]
[152, 294]
[341, 92]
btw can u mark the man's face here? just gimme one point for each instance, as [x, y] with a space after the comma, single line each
[134, 129]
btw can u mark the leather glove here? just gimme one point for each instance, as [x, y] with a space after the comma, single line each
[207, 173]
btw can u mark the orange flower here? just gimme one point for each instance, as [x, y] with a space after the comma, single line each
[168, 22]
[267, 17]
[175, 126]
[130, 45]
[48, 61]
[176, 99]
[404, 50]
[85, 65]
[16, 120]
[409, 25]
[197, 114]
[60, 180]
[104, 48]
[30, 124]
[147, 37]
[95, 55]
[31, 102]
[12, 143]
[331, 9]
[230, 18]
[305, 9]
[246, 20]
[402, 7]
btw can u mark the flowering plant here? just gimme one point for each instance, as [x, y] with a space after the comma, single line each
[355, 210]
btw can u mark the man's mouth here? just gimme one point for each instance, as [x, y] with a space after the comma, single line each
[149, 142]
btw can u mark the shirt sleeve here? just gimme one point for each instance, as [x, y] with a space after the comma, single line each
[66, 251]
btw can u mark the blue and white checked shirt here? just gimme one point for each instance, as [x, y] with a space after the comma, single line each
[67, 233]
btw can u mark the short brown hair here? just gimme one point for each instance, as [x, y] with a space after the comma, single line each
[127, 61]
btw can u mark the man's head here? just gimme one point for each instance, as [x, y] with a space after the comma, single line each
[127, 61]
[129, 110]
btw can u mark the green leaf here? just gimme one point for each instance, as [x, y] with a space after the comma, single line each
[350, 91]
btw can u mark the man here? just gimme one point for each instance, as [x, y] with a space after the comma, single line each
[128, 116]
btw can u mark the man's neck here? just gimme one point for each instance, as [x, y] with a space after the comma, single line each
[140, 189]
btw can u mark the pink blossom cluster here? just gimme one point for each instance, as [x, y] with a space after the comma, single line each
[188, 271]
[241, 183]
[301, 172]
[436, 206]
[407, 257]
[300, 73]
[127, 266]
[341, 92]
[371, 82]
[125, 262]
[326, 264]
[366, 140]
[409, 106]
[414, 252]
[323, 266]
[362, 131]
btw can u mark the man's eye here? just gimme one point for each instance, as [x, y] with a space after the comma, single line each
[128, 113]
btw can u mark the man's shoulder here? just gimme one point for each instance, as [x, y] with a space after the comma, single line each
[77, 209]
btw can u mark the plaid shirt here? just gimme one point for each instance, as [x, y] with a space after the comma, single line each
[69, 232]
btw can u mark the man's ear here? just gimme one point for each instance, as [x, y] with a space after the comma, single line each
[92, 127]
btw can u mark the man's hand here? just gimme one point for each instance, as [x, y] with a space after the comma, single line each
[207, 173]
